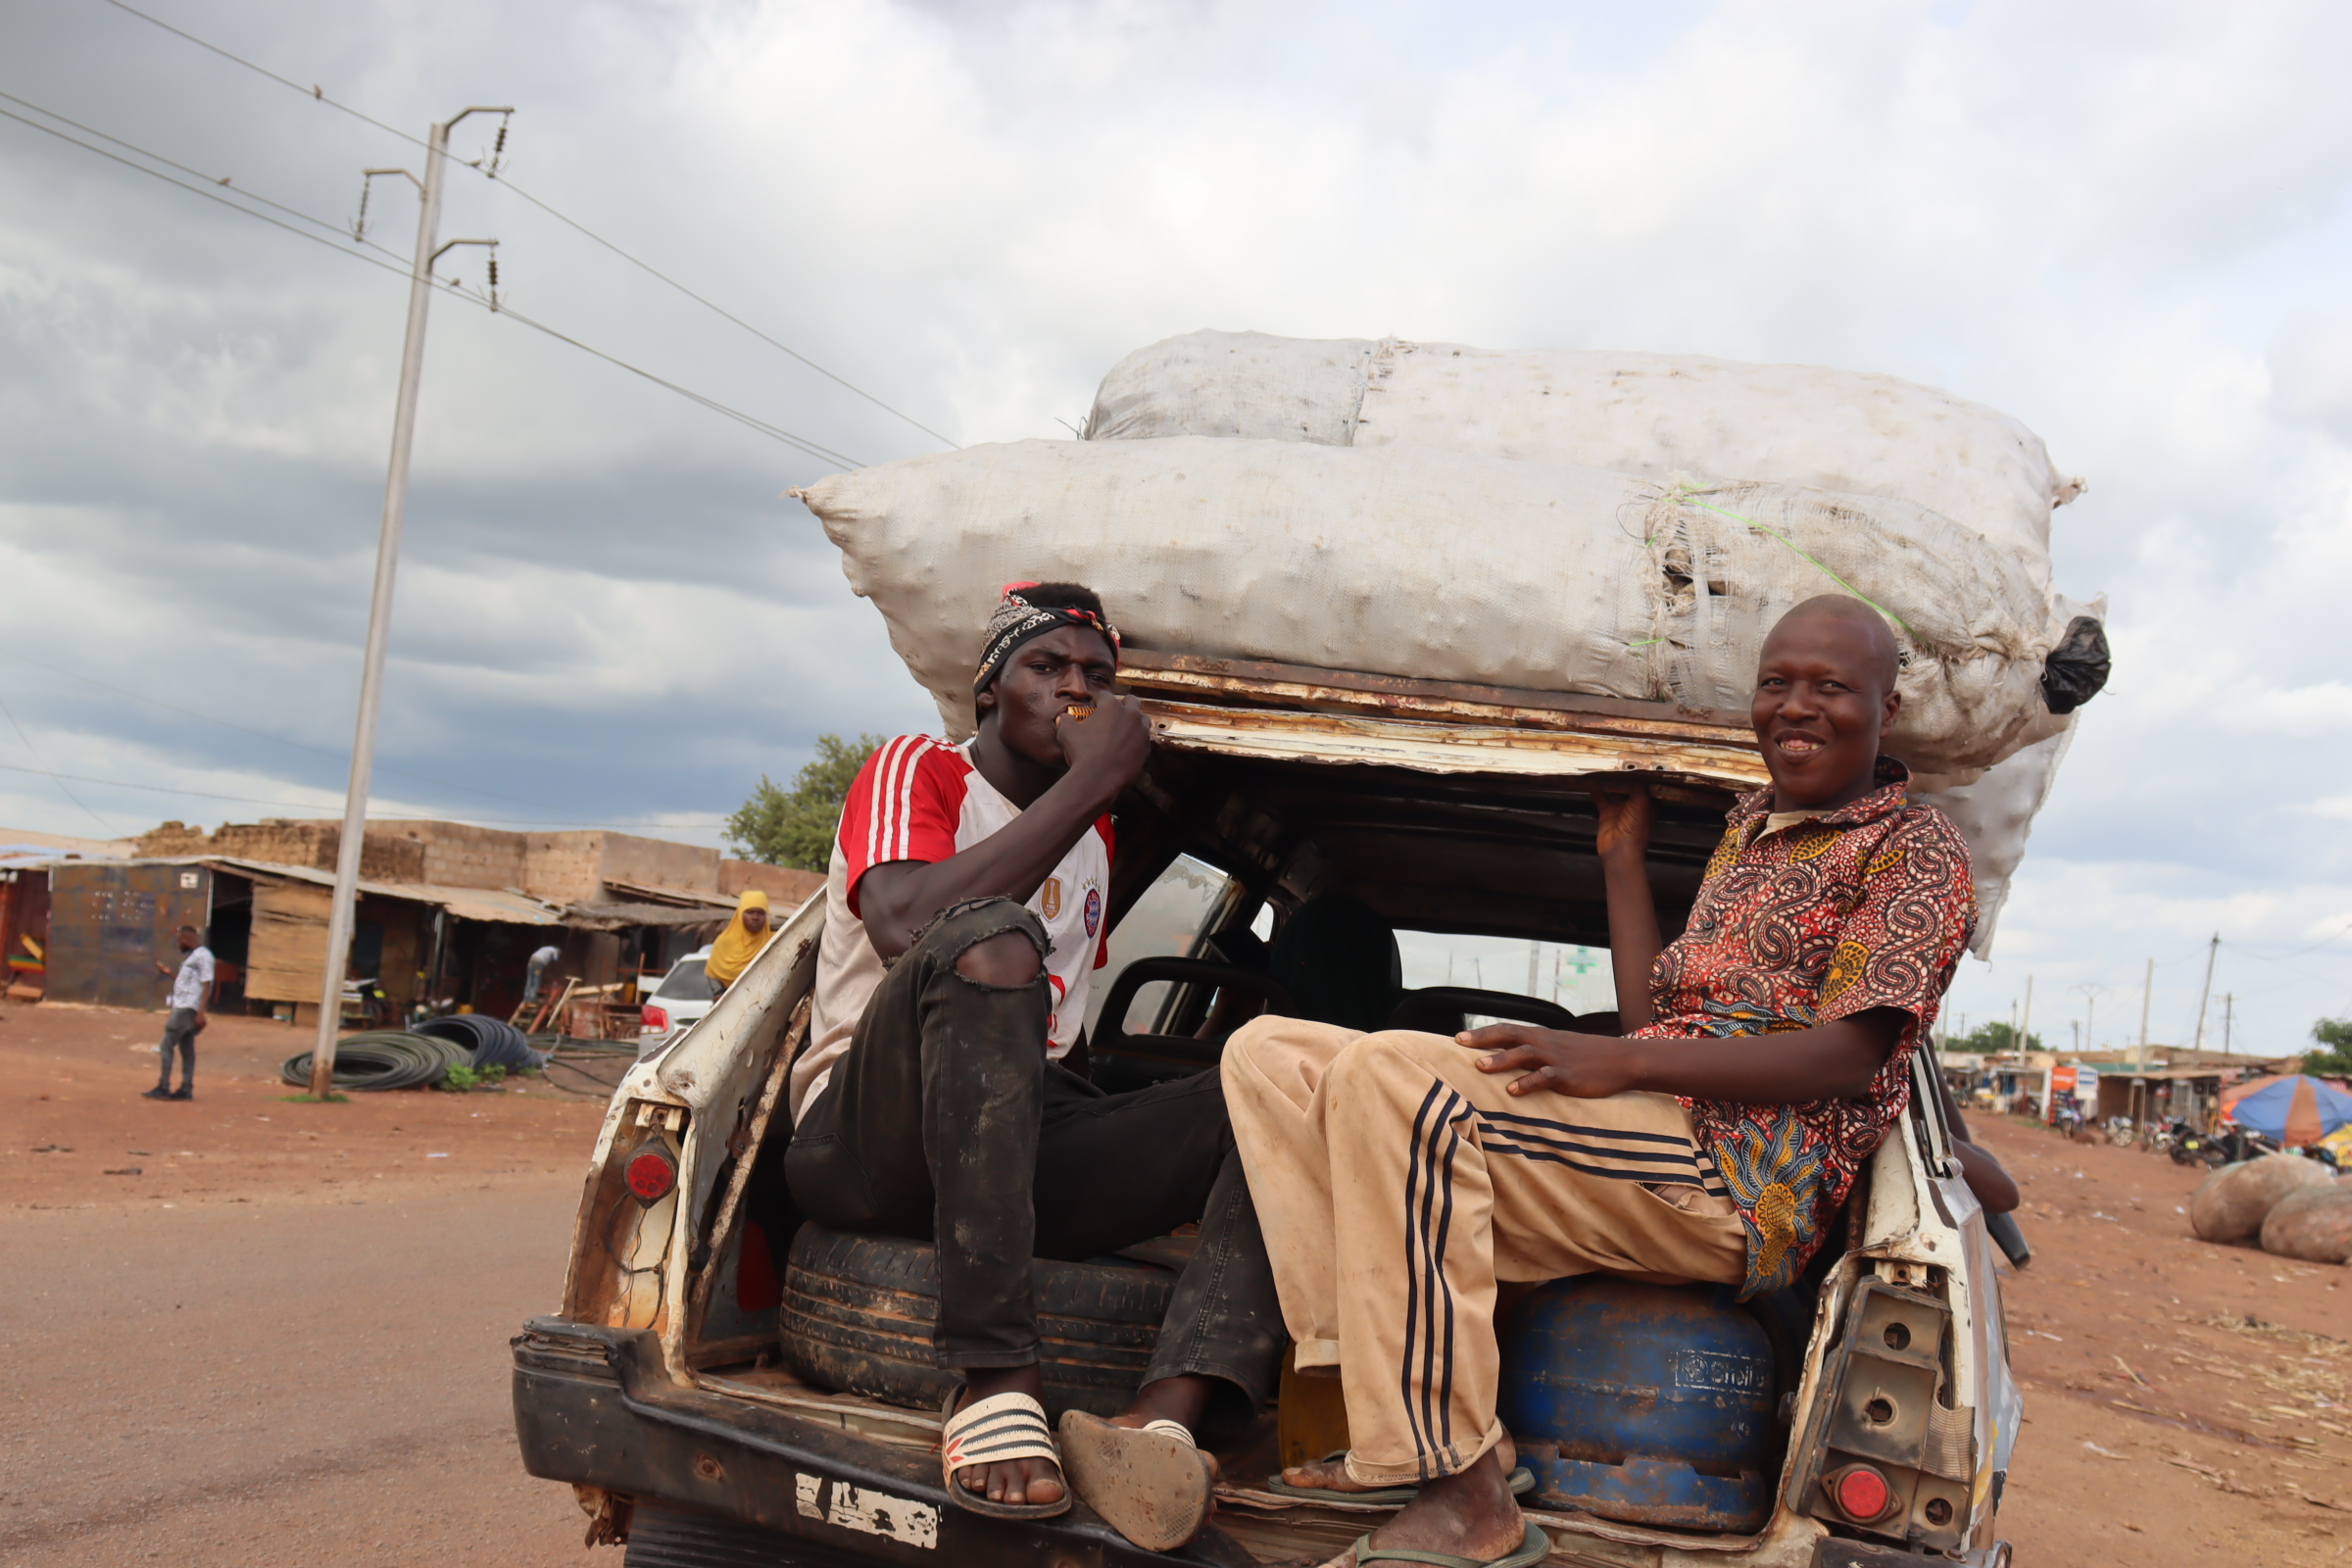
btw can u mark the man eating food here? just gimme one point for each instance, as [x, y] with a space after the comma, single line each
[964, 916]
[1400, 1176]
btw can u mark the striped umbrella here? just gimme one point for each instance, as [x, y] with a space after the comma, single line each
[2295, 1109]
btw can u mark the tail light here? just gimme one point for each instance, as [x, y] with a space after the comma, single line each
[653, 1018]
[1861, 1492]
[652, 1173]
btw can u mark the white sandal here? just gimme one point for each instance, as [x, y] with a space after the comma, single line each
[1151, 1483]
[991, 1431]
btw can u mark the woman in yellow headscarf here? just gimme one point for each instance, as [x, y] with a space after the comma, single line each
[740, 942]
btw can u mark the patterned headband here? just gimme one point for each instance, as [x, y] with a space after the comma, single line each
[1017, 620]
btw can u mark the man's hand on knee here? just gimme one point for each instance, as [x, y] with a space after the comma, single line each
[1586, 1066]
[1006, 959]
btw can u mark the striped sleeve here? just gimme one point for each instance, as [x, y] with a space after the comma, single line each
[904, 807]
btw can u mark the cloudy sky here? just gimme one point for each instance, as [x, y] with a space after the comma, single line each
[2124, 223]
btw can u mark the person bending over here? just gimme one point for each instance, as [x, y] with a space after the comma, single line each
[1400, 1176]
[964, 920]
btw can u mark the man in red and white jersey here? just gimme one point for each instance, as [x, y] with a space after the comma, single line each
[964, 917]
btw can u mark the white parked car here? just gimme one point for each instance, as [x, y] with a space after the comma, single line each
[683, 996]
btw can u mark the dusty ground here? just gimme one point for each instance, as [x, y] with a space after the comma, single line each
[2185, 1403]
[77, 1134]
[283, 1341]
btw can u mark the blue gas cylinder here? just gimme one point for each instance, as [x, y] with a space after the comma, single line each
[1648, 1403]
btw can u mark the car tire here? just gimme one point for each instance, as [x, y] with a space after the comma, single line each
[859, 1310]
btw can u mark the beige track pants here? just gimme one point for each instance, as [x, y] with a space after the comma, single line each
[1397, 1183]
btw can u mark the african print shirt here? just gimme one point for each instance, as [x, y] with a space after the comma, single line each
[1869, 905]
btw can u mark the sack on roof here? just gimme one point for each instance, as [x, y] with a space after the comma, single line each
[1443, 566]
[1653, 416]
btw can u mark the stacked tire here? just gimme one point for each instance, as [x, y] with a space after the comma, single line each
[859, 1310]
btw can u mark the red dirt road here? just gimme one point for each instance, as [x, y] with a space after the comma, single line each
[284, 1341]
[2185, 1403]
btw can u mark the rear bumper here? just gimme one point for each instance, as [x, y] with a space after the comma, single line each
[594, 1406]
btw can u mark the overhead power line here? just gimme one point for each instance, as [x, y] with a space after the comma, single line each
[212, 188]
[263, 734]
[318, 95]
[34, 753]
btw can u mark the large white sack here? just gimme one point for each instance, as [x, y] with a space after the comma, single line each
[1995, 816]
[1415, 562]
[1652, 414]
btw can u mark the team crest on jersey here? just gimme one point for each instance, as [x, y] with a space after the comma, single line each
[1049, 897]
[1093, 910]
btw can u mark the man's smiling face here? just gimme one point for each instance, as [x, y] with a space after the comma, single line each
[1825, 694]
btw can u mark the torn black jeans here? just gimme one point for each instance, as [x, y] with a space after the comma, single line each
[943, 1121]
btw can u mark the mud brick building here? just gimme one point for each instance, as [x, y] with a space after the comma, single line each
[447, 911]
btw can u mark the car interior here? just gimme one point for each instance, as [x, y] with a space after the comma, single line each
[1333, 861]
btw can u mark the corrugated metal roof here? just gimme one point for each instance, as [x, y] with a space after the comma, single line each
[615, 916]
[690, 898]
[504, 905]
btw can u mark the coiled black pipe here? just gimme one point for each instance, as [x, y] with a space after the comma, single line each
[383, 1058]
[492, 1041]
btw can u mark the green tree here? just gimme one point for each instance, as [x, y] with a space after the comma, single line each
[2336, 1060]
[1990, 1037]
[794, 827]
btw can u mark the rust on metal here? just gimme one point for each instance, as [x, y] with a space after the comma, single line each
[110, 925]
[1428, 747]
[751, 1130]
[1251, 682]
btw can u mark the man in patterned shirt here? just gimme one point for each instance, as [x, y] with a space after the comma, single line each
[1399, 1177]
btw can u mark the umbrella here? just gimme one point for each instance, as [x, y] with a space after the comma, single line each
[2295, 1109]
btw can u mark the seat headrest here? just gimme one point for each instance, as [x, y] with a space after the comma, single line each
[1337, 955]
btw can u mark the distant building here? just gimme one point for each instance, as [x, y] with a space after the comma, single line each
[446, 912]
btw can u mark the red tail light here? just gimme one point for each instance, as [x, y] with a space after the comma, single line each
[653, 1017]
[651, 1174]
[1863, 1494]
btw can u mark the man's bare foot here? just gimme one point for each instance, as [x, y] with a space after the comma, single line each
[1183, 1400]
[1471, 1516]
[1331, 1474]
[1013, 1481]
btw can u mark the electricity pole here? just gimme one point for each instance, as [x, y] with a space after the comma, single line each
[2091, 1006]
[379, 605]
[2147, 990]
[2205, 993]
[2226, 1012]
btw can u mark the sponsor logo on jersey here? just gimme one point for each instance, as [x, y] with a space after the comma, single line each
[1093, 910]
[1049, 897]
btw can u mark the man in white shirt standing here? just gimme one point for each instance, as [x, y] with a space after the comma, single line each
[965, 914]
[191, 988]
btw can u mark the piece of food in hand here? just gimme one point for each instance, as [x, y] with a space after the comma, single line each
[1079, 711]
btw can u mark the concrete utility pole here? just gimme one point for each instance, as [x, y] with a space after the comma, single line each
[2148, 990]
[2205, 993]
[2090, 1005]
[2227, 1010]
[379, 605]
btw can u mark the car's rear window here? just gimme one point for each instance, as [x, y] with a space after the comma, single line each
[1575, 976]
[686, 982]
[1162, 924]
